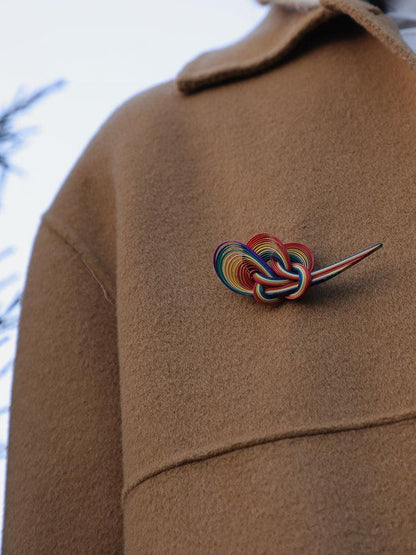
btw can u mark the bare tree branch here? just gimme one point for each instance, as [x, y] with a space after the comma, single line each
[10, 139]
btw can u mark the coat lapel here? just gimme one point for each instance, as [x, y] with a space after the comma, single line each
[283, 27]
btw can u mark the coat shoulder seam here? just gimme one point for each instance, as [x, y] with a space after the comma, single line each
[99, 275]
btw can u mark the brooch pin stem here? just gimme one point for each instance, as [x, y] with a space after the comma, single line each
[271, 271]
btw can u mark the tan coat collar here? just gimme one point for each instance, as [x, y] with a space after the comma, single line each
[285, 24]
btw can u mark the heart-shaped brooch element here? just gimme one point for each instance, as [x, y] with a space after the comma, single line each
[271, 271]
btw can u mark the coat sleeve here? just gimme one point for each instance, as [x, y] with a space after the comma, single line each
[64, 469]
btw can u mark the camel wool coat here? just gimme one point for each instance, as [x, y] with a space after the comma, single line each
[156, 410]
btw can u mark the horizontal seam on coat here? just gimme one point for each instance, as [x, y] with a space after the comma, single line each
[293, 434]
[46, 219]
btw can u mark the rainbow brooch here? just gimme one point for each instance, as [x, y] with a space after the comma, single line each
[272, 271]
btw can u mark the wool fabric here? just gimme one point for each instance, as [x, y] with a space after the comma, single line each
[401, 12]
[156, 411]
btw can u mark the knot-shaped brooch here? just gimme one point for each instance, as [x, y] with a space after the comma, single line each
[271, 271]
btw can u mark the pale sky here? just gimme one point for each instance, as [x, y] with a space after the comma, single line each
[107, 52]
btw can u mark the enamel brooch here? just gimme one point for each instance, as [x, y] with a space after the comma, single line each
[271, 271]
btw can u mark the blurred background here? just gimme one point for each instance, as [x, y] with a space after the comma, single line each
[66, 67]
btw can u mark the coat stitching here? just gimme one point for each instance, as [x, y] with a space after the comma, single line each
[292, 434]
